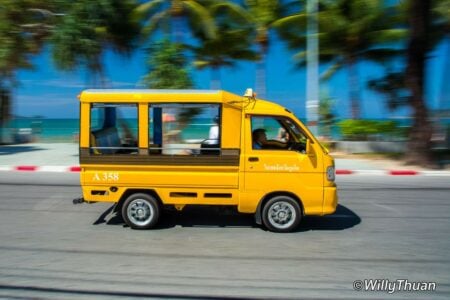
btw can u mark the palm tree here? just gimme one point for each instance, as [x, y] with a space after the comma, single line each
[168, 67]
[392, 86]
[23, 30]
[232, 42]
[441, 16]
[168, 15]
[349, 31]
[263, 14]
[428, 23]
[418, 46]
[88, 28]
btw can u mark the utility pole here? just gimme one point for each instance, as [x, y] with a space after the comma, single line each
[312, 66]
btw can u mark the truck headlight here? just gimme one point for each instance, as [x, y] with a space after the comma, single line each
[331, 173]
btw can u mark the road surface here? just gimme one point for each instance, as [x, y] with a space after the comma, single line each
[385, 228]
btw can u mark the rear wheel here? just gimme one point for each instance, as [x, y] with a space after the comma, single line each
[281, 214]
[141, 211]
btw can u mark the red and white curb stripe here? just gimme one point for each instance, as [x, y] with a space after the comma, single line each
[31, 168]
[392, 172]
[65, 169]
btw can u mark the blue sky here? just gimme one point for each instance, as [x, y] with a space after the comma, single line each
[47, 92]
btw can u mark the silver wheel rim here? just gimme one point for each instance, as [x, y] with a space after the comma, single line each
[282, 214]
[140, 212]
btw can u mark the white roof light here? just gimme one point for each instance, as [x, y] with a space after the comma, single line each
[249, 93]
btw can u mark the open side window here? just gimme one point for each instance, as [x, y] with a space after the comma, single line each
[114, 129]
[185, 129]
[276, 133]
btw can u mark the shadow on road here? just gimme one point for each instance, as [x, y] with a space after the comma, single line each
[343, 218]
[18, 149]
[206, 216]
[93, 294]
[191, 216]
[218, 216]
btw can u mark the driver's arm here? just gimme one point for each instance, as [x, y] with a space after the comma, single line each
[273, 144]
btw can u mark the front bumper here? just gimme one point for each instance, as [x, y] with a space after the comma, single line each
[330, 200]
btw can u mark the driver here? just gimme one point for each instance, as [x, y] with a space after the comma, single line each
[260, 141]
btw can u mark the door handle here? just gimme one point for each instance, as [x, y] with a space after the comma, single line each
[253, 158]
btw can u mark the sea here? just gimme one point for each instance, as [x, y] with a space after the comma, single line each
[43, 129]
[67, 130]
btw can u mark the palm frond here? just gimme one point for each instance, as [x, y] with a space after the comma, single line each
[201, 64]
[154, 23]
[237, 12]
[263, 12]
[200, 14]
[328, 73]
[382, 54]
[143, 10]
[297, 19]
[388, 35]
[300, 56]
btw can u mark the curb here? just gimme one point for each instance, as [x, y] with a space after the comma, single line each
[77, 169]
[392, 172]
[31, 168]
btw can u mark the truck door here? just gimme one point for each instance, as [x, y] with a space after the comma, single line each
[278, 161]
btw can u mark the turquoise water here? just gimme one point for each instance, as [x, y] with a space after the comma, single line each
[47, 129]
[67, 130]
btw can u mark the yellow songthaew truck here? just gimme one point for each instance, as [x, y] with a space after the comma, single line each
[147, 149]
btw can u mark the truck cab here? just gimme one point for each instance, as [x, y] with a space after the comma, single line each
[147, 149]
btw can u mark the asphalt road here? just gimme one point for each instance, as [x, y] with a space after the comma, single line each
[385, 228]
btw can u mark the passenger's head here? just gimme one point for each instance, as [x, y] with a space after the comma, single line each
[259, 135]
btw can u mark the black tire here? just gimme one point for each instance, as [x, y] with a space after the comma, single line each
[281, 214]
[141, 211]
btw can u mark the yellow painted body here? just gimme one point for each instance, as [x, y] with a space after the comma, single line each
[245, 183]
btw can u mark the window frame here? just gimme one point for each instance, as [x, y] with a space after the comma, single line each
[96, 150]
[277, 118]
[193, 151]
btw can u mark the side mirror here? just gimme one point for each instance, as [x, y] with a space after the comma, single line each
[309, 148]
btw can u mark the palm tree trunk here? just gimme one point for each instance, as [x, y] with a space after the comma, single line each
[355, 110]
[420, 135]
[261, 73]
[178, 29]
[97, 73]
[215, 78]
[5, 110]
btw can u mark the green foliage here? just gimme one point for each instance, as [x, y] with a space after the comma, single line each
[360, 28]
[232, 43]
[349, 31]
[167, 15]
[392, 86]
[262, 14]
[24, 25]
[368, 129]
[326, 114]
[87, 28]
[168, 70]
[167, 67]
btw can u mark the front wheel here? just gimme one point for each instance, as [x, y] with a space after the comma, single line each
[281, 214]
[141, 211]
